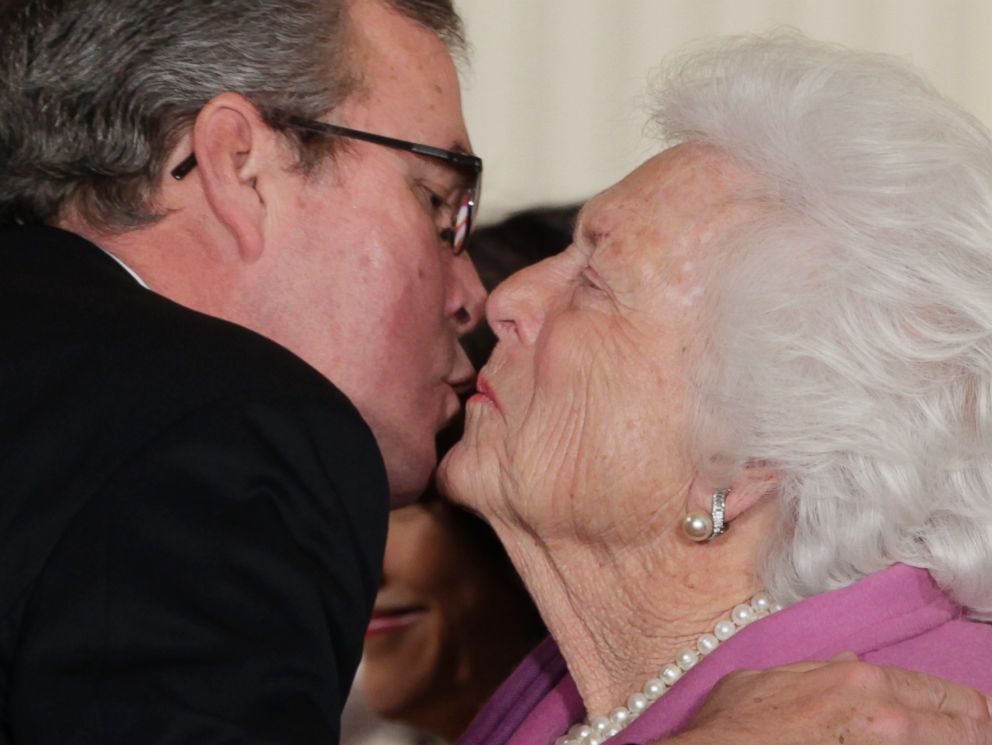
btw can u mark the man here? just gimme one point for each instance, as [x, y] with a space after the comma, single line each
[192, 516]
[192, 519]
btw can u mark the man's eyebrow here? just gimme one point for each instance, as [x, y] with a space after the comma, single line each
[444, 171]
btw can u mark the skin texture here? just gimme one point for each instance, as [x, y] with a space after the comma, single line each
[343, 266]
[451, 621]
[573, 459]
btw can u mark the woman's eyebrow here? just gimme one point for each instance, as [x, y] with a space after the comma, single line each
[586, 233]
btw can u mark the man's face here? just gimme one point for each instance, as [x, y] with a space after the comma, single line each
[363, 288]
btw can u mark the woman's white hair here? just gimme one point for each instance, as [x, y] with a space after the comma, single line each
[848, 334]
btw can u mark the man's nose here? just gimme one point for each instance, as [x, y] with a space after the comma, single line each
[469, 300]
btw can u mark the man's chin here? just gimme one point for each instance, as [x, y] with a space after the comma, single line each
[411, 478]
[404, 498]
[410, 457]
[414, 481]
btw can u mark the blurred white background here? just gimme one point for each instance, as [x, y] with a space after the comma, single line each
[554, 96]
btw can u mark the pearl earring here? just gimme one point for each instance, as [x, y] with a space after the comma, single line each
[700, 526]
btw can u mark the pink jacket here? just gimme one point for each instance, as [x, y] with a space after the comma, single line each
[895, 617]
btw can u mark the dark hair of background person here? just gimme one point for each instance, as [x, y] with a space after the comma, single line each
[506, 247]
[95, 95]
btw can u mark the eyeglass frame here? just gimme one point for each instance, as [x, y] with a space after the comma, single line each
[464, 161]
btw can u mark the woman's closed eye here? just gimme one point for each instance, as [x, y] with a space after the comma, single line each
[590, 290]
[590, 280]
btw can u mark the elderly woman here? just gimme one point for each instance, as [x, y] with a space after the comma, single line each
[745, 419]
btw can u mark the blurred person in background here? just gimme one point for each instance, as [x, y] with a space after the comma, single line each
[451, 621]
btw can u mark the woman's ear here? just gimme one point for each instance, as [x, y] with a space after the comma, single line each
[747, 487]
[233, 148]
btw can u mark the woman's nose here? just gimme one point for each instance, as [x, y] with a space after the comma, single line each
[516, 307]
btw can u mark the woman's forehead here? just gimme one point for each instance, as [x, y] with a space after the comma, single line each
[665, 205]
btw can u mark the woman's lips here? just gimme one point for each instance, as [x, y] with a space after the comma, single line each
[390, 620]
[484, 392]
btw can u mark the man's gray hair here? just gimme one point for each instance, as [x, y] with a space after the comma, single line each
[95, 94]
[848, 334]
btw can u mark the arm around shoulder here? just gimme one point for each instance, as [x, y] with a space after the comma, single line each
[842, 702]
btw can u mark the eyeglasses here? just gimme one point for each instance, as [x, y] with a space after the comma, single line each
[470, 165]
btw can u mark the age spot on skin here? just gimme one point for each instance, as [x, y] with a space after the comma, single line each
[690, 298]
[685, 298]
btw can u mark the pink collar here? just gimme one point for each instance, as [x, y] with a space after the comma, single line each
[887, 607]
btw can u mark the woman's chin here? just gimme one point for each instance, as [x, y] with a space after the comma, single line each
[469, 474]
[454, 473]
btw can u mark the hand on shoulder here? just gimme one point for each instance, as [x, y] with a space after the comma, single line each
[842, 701]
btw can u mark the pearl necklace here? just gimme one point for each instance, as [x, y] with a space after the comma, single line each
[599, 729]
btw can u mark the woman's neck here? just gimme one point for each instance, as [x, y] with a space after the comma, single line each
[620, 615]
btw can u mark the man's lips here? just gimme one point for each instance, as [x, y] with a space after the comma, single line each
[463, 385]
[459, 387]
[389, 620]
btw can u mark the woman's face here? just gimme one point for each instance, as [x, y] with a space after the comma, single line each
[449, 623]
[576, 431]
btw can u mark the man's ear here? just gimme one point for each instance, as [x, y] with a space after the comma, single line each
[233, 148]
[748, 486]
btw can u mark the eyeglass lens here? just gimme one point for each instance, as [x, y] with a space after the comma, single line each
[457, 234]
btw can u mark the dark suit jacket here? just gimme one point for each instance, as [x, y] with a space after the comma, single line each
[191, 518]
